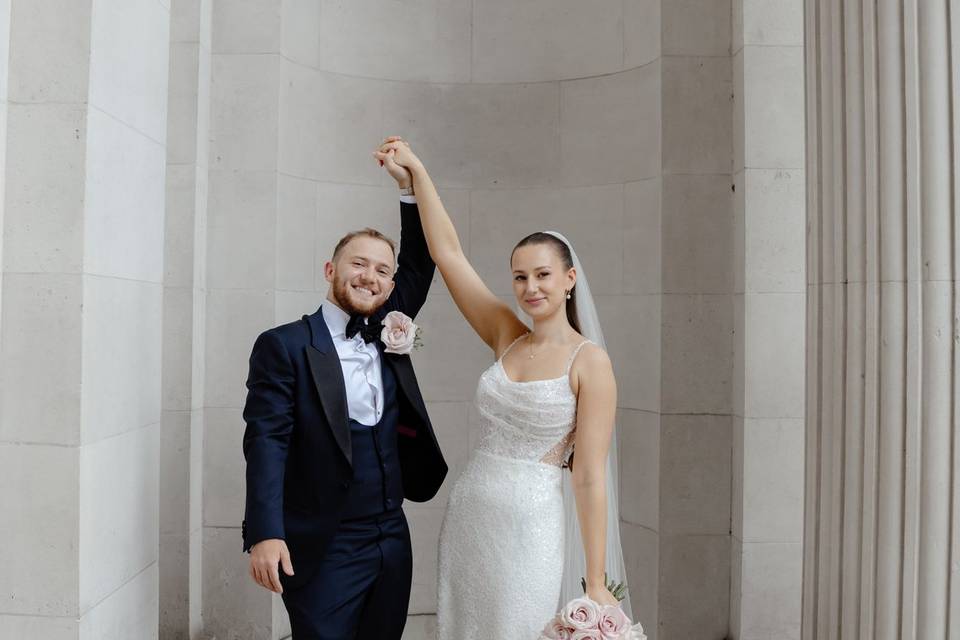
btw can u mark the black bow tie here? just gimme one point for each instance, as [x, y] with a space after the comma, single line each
[358, 324]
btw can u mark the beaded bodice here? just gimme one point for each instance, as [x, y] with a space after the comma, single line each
[534, 420]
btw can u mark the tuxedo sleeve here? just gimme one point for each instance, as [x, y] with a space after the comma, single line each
[269, 416]
[415, 267]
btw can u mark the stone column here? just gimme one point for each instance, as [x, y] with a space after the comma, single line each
[184, 306]
[4, 76]
[766, 541]
[80, 344]
[881, 526]
[696, 321]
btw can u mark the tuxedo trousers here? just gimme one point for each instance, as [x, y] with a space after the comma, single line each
[361, 589]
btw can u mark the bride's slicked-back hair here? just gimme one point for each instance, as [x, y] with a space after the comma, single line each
[558, 245]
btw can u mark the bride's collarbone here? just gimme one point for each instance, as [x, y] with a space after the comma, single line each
[520, 367]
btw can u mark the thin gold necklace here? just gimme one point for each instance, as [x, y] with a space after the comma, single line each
[530, 343]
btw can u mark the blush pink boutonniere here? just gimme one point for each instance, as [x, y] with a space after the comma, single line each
[400, 334]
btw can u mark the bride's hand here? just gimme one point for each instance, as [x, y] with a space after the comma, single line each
[397, 150]
[386, 160]
[601, 595]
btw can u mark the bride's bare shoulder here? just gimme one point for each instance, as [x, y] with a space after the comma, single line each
[592, 358]
[592, 364]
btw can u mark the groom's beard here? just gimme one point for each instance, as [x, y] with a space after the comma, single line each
[347, 300]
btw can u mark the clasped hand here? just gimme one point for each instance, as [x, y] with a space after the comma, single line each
[395, 155]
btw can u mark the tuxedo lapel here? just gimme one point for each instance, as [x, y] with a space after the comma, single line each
[402, 367]
[403, 371]
[328, 380]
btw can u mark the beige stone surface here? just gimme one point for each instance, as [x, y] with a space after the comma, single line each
[696, 27]
[546, 40]
[365, 39]
[623, 145]
[694, 586]
[199, 160]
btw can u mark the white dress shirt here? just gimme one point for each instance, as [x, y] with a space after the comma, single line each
[360, 363]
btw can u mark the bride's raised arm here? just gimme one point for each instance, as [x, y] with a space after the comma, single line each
[490, 317]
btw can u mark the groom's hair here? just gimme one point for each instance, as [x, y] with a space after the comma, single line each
[368, 232]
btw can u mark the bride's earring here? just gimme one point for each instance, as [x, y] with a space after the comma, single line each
[568, 295]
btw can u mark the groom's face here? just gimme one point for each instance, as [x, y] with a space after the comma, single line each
[361, 275]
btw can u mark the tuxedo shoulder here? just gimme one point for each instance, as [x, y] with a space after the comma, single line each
[290, 334]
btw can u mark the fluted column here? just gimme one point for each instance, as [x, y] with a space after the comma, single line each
[881, 534]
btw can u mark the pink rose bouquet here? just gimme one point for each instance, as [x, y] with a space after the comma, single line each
[584, 619]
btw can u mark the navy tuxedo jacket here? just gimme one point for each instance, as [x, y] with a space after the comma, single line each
[297, 439]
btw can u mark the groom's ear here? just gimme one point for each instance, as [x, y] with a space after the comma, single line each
[328, 271]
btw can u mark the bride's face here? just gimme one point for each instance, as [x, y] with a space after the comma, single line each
[541, 280]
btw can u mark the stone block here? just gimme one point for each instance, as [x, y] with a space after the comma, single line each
[546, 40]
[697, 114]
[610, 127]
[425, 41]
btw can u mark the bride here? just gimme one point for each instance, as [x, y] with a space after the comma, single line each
[517, 537]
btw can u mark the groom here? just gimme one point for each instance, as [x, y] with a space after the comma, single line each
[337, 436]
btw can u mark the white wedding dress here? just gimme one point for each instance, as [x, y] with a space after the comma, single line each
[502, 541]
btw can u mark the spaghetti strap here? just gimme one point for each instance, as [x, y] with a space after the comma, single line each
[573, 356]
[510, 346]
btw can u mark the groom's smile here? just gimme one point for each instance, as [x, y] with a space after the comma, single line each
[361, 275]
[363, 290]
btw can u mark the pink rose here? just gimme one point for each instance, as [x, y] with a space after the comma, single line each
[581, 614]
[613, 622]
[555, 630]
[586, 634]
[399, 333]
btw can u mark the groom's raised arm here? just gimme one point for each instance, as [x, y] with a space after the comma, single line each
[269, 417]
[415, 268]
